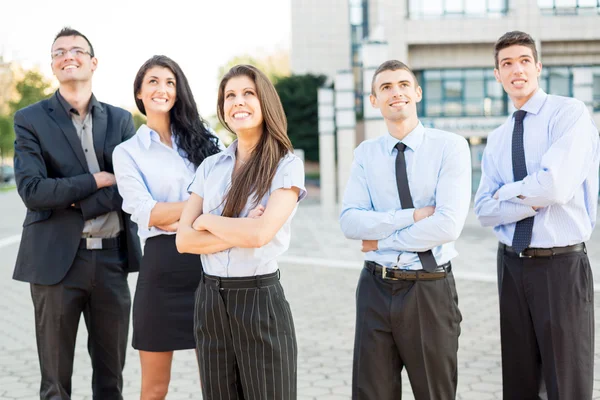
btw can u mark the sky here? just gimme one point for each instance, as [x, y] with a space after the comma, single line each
[200, 35]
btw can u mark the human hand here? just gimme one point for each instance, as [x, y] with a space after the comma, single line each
[104, 179]
[369, 245]
[256, 212]
[169, 228]
[422, 213]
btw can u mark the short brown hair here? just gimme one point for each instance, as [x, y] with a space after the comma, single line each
[391, 65]
[515, 38]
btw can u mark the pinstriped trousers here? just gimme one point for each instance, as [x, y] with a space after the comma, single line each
[245, 339]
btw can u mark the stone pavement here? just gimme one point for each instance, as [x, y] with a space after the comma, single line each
[319, 274]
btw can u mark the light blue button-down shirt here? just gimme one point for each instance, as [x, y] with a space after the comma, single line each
[438, 166]
[147, 172]
[562, 154]
[212, 181]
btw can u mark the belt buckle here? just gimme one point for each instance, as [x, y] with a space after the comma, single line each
[384, 274]
[523, 255]
[93, 243]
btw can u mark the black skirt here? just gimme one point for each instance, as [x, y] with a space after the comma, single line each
[163, 307]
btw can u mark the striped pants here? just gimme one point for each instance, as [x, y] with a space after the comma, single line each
[245, 339]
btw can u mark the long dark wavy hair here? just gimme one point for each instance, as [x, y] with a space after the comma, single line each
[187, 126]
[255, 177]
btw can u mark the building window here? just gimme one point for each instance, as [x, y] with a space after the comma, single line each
[569, 7]
[359, 30]
[423, 9]
[557, 80]
[596, 88]
[461, 93]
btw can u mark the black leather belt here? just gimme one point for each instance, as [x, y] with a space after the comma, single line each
[396, 274]
[533, 252]
[242, 282]
[100, 243]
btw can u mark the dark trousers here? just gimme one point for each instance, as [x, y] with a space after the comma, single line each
[546, 326]
[412, 324]
[245, 339]
[97, 287]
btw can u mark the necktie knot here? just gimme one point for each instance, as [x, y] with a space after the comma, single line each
[519, 115]
[400, 147]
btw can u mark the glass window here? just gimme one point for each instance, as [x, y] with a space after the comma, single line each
[596, 89]
[433, 88]
[430, 7]
[559, 81]
[453, 89]
[454, 7]
[433, 108]
[449, 8]
[475, 7]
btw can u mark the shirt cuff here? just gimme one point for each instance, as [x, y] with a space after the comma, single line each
[510, 191]
[517, 212]
[142, 215]
[403, 218]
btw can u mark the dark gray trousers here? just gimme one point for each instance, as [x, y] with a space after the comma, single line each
[412, 324]
[546, 326]
[245, 339]
[96, 286]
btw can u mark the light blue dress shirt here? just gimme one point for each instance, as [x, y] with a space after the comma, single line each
[562, 154]
[212, 181]
[438, 166]
[148, 172]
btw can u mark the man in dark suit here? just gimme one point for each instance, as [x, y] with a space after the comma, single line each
[77, 245]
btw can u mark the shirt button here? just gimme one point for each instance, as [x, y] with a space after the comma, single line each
[86, 150]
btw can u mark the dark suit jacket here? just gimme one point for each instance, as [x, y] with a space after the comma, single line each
[51, 174]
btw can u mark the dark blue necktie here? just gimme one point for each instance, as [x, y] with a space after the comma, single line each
[426, 257]
[522, 237]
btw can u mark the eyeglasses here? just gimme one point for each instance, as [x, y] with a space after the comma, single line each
[75, 52]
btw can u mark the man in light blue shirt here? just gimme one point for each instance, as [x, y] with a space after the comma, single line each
[407, 200]
[539, 190]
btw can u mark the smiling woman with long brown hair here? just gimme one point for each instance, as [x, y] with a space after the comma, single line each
[238, 217]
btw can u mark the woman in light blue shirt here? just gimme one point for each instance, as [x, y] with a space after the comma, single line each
[153, 170]
[238, 217]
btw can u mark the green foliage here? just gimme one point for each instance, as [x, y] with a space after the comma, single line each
[298, 95]
[7, 136]
[138, 119]
[32, 88]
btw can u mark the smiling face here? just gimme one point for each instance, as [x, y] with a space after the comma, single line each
[69, 67]
[158, 91]
[396, 95]
[518, 73]
[241, 107]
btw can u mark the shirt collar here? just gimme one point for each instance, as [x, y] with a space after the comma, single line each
[147, 136]
[70, 109]
[413, 140]
[230, 150]
[535, 103]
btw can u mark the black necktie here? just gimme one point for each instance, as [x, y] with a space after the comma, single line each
[522, 237]
[427, 259]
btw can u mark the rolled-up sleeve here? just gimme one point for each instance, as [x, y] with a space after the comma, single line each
[137, 200]
[197, 185]
[290, 173]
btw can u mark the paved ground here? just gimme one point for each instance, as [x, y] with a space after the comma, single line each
[319, 274]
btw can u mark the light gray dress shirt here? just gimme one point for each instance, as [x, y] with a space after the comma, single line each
[107, 225]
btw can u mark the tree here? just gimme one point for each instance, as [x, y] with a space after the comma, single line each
[138, 119]
[32, 88]
[298, 95]
[7, 136]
